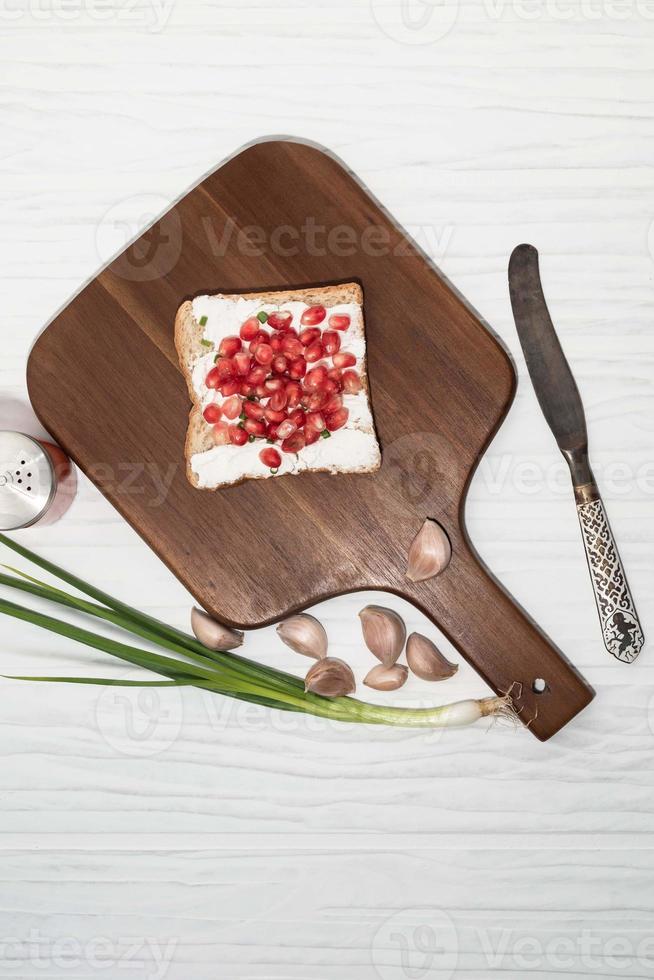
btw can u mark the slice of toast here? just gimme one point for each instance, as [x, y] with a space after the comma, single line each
[334, 428]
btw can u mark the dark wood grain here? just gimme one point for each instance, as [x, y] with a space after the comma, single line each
[104, 379]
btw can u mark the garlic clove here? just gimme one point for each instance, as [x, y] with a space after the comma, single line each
[330, 677]
[304, 634]
[212, 634]
[430, 552]
[426, 661]
[382, 678]
[384, 633]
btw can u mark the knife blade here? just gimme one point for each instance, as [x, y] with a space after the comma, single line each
[562, 407]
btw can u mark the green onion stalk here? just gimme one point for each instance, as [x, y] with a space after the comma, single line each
[182, 661]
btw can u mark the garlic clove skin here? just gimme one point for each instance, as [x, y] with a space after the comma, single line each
[426, 661]
[384, 633]
[382, 678]
[304, 634]
[331, 678]
[429, 554]
[212, 634]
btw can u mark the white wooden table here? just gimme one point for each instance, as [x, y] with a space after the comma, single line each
[176, 836]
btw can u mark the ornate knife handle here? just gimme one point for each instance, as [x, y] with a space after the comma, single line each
[621, 629]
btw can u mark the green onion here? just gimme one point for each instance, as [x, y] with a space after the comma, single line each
[262, 317]
[326, 434]
[203, 321]
[188, 663]
[206, 343]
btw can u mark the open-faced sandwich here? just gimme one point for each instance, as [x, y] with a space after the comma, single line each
[278, 384]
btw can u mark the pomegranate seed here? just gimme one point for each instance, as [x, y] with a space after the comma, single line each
[281, 320]
[264, 354]
[257, 375]
[232, 407]
[336, 377]
[337, 419]
[255, 427]
[315, 420]
[276, 343]
[343, 359]
[313, 316]
[292, 346]
[333, 403]
[271, 458]
[272, 431]
[273, 415]
[237, 435]
[253, 410]
[314, 352]
[294, 393]
[273, 384]
[250, 328]
[286, 429]
[351, 382]
[247, 390]
[226, 368]
[309, 335]
[339, 321]
[212, 413]
[298, 417]
[229, 388]
[331, 342]
[242, 362]
[220, 434]
[213, 379]
[278, 400]
[280, 364]
[316, 378]
[261, 392]
[294, 443]
[229, 346]
[311, 436]
[316, 400]
[298, 368]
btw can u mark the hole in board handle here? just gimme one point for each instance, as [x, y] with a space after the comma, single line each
[539, 686]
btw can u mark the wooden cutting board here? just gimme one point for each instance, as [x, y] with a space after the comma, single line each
[104, 380]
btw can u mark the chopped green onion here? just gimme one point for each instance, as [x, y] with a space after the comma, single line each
[242, 416]
[206, 343]
[326, 434]
[274, 471]
[250, 438]
[203, 321]
[262, 317]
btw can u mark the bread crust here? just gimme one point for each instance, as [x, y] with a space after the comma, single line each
[189, 347]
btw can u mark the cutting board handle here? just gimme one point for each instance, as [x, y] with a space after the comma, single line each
[518, 658]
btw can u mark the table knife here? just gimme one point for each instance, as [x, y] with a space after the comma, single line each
[561, 404]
